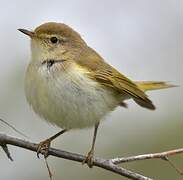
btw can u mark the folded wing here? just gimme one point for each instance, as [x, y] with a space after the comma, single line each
[111, 78]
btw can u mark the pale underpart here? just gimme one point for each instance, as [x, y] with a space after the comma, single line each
[67, 97]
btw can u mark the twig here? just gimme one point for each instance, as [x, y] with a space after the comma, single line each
[161, 155]
[12, 127]
[108, 164]
[99, 162]
[48, 168]
[174, 166]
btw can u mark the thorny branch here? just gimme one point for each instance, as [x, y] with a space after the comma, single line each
[108, 164]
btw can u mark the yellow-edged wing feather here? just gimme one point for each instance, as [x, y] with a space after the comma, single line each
[153, 85]
[111, 78]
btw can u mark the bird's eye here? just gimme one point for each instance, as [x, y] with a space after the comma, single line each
[54, 40]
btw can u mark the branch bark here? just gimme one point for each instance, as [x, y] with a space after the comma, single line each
[108, 164]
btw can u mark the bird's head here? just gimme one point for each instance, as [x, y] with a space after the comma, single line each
[54, 40]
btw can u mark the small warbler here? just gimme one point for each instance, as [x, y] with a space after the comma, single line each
[70, 85]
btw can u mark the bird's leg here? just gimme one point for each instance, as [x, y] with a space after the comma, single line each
[89, 157]
[44, 146]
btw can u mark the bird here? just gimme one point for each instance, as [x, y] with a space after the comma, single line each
[68, 84]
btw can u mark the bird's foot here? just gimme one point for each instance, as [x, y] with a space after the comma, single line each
[43, 148]
[89, 159]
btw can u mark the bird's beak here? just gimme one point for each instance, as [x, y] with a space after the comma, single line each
[27, 32]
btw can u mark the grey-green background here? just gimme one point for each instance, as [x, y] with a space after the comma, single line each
[141, 38]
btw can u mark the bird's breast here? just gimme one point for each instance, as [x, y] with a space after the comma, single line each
[66, 96]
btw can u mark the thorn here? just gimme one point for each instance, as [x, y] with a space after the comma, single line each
[165, 158]
[6, 150]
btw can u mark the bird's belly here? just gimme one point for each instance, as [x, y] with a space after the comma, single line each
[70, 99]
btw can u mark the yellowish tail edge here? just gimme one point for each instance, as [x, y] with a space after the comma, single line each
[153, 85]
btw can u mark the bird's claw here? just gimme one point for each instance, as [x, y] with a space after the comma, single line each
[89, 159]
[43, 148]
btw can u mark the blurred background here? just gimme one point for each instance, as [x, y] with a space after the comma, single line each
[143, 39]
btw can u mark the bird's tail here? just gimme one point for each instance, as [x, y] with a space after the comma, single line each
[153, 85]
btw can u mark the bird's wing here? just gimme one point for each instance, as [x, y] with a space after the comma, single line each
[111, 78]
[115, 80]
